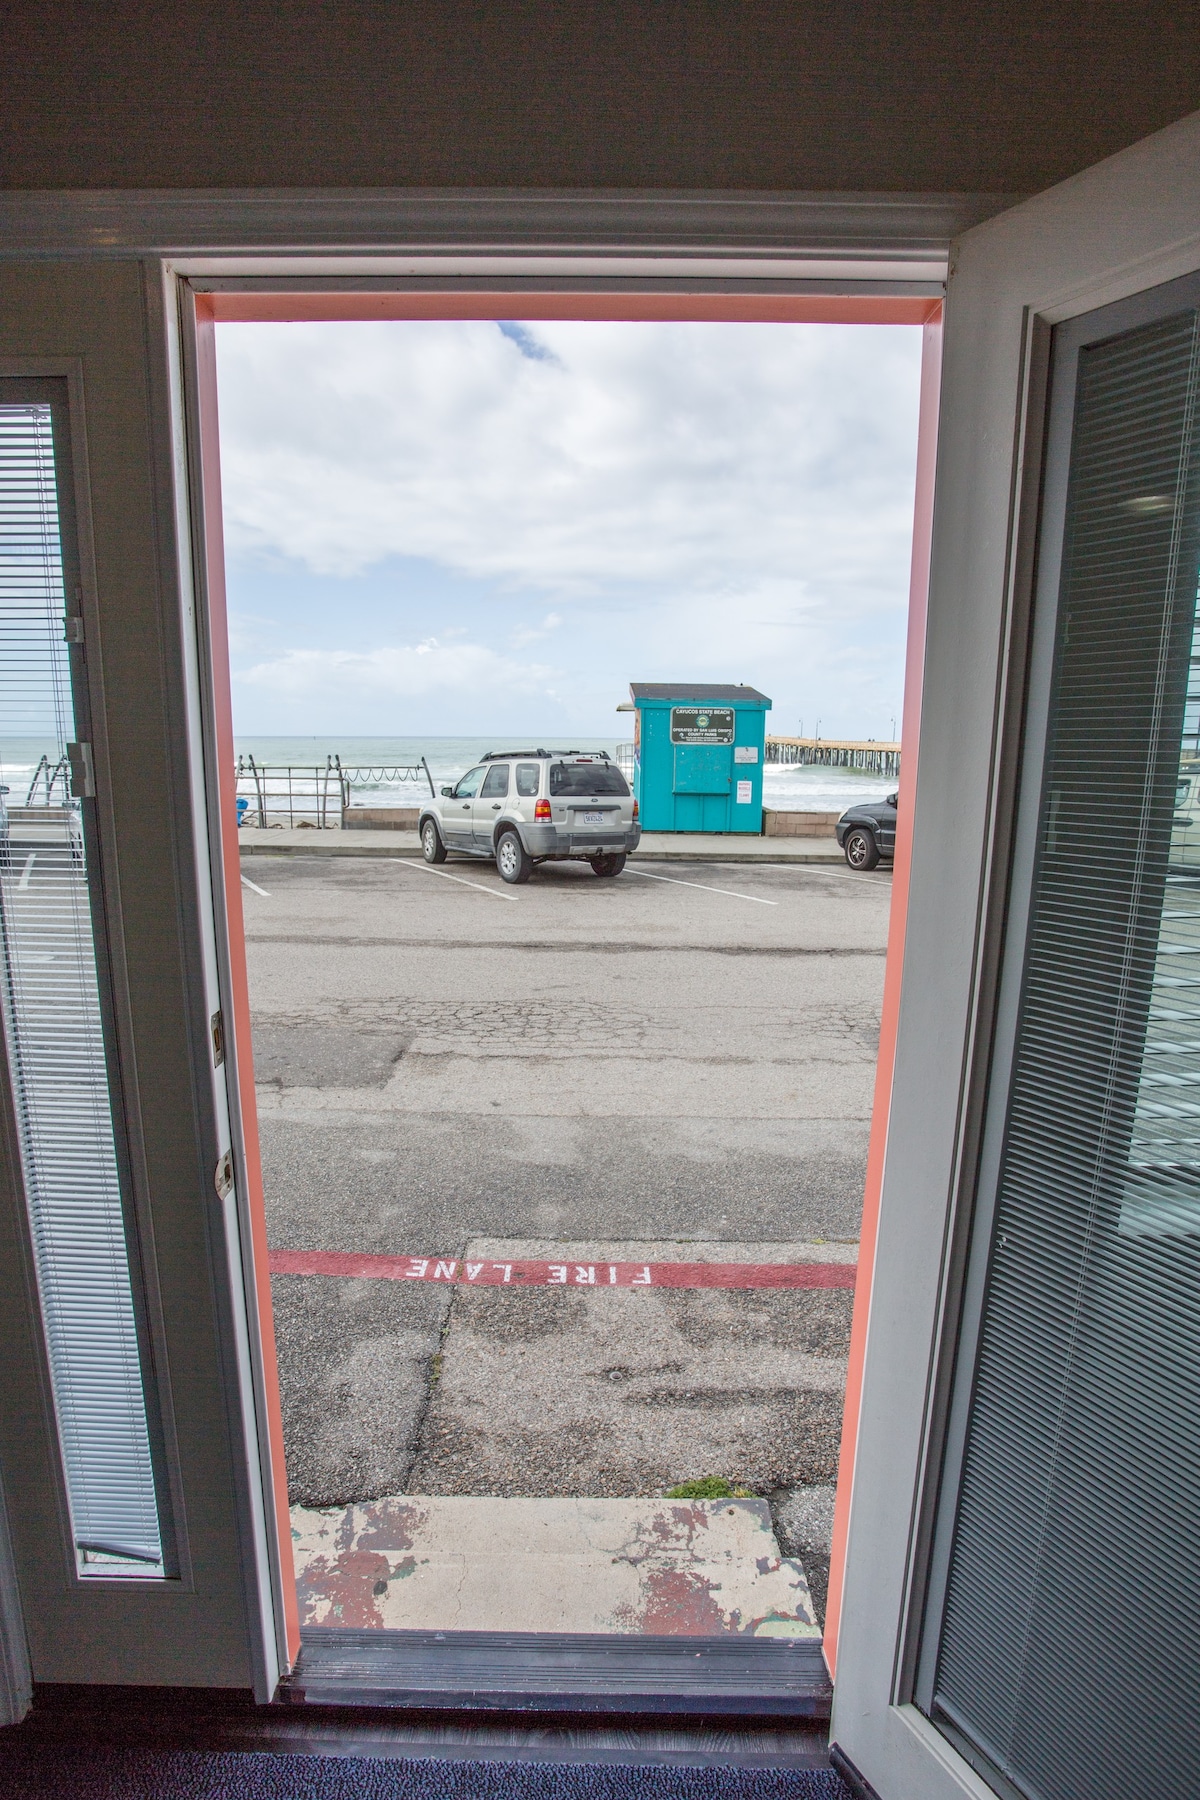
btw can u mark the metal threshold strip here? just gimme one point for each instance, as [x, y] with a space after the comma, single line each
[560, 1673]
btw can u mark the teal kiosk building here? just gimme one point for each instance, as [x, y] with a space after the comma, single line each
[698, 755]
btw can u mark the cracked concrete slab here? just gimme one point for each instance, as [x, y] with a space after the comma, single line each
[694, 1568]
[354, 1377]
[630, 1392]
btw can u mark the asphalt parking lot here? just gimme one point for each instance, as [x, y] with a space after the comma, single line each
[670, 1065]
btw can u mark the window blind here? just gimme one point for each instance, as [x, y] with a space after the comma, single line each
[54, 1037]
[1066, 1653]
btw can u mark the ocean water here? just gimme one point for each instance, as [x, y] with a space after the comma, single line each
[19, 758]
[447, 758]
[786, 788]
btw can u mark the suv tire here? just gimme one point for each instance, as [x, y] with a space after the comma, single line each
[432, 847]
[607, 865]
[861, 850]
[512, 858]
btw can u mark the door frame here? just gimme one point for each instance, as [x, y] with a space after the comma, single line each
[101, 277]
[215, 294]
[1117, 229]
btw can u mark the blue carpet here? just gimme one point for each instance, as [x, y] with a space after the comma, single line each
[52, 1774]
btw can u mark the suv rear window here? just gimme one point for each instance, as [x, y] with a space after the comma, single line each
[586, 778]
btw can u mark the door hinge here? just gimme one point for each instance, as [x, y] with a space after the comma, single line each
[73, 628]
[217, 1027]
[83, 772]
[223, 1179]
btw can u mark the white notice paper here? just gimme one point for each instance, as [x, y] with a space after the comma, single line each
[745, 753]
[744, 789]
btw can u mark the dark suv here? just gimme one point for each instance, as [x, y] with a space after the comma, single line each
[867, 833]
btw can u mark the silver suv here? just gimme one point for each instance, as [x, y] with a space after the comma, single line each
[529, 806]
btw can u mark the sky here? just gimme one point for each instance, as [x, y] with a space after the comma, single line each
[462, 528]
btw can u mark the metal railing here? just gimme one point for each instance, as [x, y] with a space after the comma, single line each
[49, 776]
[289, 794]
[375, 775]
[292, 795]
[623, 758]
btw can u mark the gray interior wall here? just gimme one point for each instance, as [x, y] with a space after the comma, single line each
[192, 1631]
[892, 95]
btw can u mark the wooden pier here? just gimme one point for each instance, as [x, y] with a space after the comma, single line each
[875, 756]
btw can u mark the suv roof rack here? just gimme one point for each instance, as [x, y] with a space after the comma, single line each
[503, 755]
[500, 755]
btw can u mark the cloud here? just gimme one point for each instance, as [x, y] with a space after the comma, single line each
[529, 634]
[716, 501]
[409, 672]
[699, 454]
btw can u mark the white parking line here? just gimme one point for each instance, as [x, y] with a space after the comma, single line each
[253, 885]
[840, 875]
[27, 871]
[674, 880]
[496, 893]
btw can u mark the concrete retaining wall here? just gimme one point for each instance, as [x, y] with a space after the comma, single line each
[799, 824]
[380, 818]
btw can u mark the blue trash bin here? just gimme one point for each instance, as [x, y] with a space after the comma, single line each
[698, 755]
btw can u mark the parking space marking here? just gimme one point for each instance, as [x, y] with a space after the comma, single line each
[496, 893]
[674, 880]
[841, 875]
[27, 871]
[246, 882]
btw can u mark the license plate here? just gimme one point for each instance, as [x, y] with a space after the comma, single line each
[596, 818]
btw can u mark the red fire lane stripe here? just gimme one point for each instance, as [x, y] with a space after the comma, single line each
[570, 1274]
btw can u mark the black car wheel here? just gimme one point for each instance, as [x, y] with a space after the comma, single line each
[607, 865]
[432, 847]
[862, 852]
[512, 859]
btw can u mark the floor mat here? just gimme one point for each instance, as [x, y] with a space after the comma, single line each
[46, 1774]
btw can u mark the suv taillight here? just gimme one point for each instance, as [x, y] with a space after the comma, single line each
[635, 812]
[542, 810]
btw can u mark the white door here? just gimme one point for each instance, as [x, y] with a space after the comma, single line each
[1023, 1549]
[141, 1493]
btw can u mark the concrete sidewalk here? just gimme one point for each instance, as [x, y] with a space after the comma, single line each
[656, 846]
[692, 1568]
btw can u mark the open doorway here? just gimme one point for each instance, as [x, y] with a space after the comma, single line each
[577, 1088]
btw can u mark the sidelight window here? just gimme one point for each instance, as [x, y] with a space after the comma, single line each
[52, 1000]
